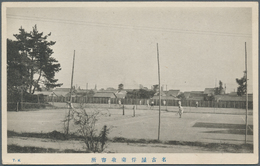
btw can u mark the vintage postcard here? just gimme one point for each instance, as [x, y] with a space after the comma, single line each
[130, 83]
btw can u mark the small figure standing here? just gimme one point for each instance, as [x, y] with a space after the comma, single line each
[164, 102]
[147, 103]
[109, 102]
[134, 108]
[152, 103]
[119, 102]
[180, 110]
[179, 103]
[197, 104]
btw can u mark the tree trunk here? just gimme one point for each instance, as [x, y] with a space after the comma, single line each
[37, 81]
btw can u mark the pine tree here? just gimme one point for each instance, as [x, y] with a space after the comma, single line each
[241, 90]
[40, 65]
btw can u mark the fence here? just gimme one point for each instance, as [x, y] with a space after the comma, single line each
[185, 103]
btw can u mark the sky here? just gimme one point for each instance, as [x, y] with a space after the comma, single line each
[197, 46]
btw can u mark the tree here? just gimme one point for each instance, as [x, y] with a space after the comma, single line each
[181, 96]
[156, 88]
[35, 53]
[85, 124]
[219, 89]
[120, 87]
[17, 75]
[241, 89]
[140, 93]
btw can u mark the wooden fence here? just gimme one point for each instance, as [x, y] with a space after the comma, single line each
[185, 103]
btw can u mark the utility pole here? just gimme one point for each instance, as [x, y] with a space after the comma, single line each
[159, 92]
[71, 87]
[166, 98]
[246, 93]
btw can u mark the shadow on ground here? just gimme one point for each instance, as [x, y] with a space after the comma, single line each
[226, 128]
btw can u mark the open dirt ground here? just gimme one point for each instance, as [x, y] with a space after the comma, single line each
[207, 125]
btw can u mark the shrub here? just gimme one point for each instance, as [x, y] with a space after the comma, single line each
[86, 124]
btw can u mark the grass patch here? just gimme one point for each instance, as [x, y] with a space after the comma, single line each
[30, 149]
[56, 135]
[224, 147]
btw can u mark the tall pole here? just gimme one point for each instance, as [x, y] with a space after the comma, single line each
[159, 92]
[71, 86]
[166, 98]
[246, 93]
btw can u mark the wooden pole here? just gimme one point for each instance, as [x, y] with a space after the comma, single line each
[246, 93]
[21, 98]
[159, 93]
[166, 98]
[71, 86]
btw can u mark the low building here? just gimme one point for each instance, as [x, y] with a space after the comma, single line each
[121, 94]
[209, 91]
[104, 94]
[61, 92]
[173, 93]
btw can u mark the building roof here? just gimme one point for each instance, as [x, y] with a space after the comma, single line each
[121, 94]
[197, 92]
[197, 98]
[162, 94]
[107, 91]
[62, 90]
[187, 94]
[174, 93]
[105, 94]
[47, 93]
[65, 94]
[233, 93]
[233, 98]
[209, 91]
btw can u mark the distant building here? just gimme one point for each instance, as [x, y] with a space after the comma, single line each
[228, 97]
[121, 94]
[105, 94]
[194, 95]
[187, 94]
[45, 93]
[209, 91]
[62, 92]
[232, 93]
[173, 93]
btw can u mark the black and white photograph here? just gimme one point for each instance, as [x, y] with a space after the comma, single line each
[130, 83]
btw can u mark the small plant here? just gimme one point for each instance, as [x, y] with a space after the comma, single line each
[86, 124]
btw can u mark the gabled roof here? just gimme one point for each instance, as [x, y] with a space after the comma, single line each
[174, 93]
[105, 94]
